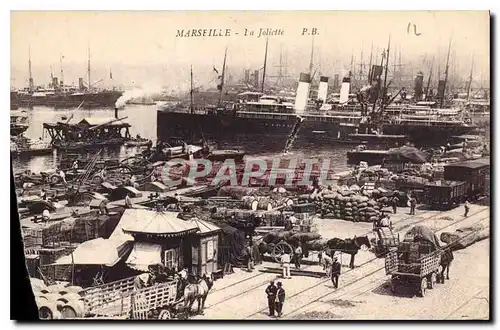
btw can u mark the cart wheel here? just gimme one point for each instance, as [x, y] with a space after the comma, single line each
[433, 281]
[164, 315]
[55, 179]
[423, 287]
[280, 248]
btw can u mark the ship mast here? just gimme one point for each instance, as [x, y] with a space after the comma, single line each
[191, 91]
[312, 58]
[429, 81]
[264, 71]
[385, 74]
[30, 81]
[222, 78]
[470, 78]
[370, 67]
[446, 73]
[88, 67]
[62, 72]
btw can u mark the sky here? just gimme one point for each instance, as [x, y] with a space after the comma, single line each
[142, 47]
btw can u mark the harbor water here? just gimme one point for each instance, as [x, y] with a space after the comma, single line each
[143, 121]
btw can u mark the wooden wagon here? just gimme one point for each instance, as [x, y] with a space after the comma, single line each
[385, 240]
[416, 261]
[121, 300]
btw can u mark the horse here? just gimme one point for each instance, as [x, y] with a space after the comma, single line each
[198, 292]
[446, 259]
[349, 246]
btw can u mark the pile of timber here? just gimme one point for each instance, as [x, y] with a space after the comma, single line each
[465, 236]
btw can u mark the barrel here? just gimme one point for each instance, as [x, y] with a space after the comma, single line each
[47, 309]
[265, 204]
[250, 203]
[72, 309]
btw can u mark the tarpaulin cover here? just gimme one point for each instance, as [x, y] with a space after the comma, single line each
[236, 242]
[98, 251]
[143, 255]
[422, 233]
[410, 154]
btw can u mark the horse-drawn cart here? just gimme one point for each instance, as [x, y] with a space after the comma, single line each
[416, 261]
[385, 240]
[121, 300]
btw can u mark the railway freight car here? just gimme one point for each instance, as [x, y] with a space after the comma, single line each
[466, 180]
[475, 173]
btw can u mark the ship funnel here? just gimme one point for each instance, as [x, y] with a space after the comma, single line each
[344, 90]
[336, 84]
[55, 83]
[256, 78]
[419, 83]
[81, 86]
[116, 112]
[441, 91]
[302, 92]
[323, 89]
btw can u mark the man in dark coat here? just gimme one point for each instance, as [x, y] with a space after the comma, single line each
[280, 299]
[271, 292]
[336, 266]
[395, 201]
[413, 205]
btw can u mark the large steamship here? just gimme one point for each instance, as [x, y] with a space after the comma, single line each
[270, 116]
[320, 120]
[59, 95]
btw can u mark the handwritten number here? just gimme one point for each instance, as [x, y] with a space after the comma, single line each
[414, 29]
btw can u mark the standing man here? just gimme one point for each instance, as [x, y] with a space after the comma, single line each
[467, 207]
[43, 195]
[298, 256]
[62, 175]
[249, 259]
[395, 201]
[74, 167]
[280, 299]
[336, 266]
[327, 265]
[285, 263]
[128, 202]
[271, 292]
[413, 205]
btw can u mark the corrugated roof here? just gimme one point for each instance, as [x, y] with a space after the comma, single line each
[157, 223]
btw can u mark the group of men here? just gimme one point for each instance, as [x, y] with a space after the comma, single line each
[275, 298]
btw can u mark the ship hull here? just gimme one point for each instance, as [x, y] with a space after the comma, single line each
[427, 135]
[91, 100]
[230, 127]
[233, 127]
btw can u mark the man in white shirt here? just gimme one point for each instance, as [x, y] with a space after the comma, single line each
[62, 175]
[285, 263]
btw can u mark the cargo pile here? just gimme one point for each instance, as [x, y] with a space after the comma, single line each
[347, 204]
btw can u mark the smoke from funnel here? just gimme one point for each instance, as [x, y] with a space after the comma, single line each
[144, 91]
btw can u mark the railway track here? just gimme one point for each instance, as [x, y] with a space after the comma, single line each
[368, 262]
[378, 282]
[277, 277]
[396, 230]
